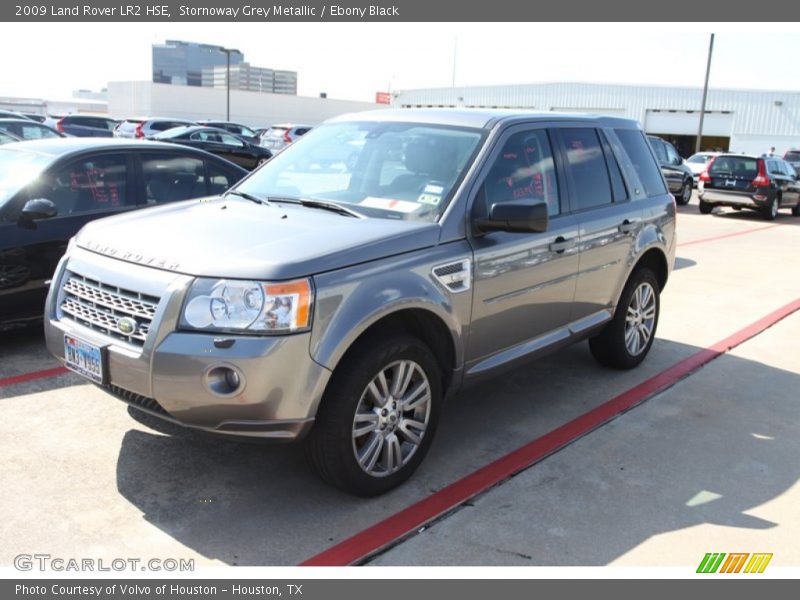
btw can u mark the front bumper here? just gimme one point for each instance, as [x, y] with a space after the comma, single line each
[172, 375]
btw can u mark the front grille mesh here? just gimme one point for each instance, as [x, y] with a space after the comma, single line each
[100, 306]
[136, 399]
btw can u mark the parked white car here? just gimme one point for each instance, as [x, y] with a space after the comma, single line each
[698, 163]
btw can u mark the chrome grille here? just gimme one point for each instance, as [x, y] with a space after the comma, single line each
[100, 306]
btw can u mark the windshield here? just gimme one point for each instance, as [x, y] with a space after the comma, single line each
[735, 166]
[387, 170]
[17, 169]
[699, 158]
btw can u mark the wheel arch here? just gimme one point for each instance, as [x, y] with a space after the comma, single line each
[420, 322]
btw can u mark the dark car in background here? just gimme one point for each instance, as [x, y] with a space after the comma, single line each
[141, 128]
[793, 158]
[82, 125]
[765, 184]
[25, 129]
[10, 114]
[244, 132]
[678, 175]
[217, 141]
[35, 117]
[49, 189]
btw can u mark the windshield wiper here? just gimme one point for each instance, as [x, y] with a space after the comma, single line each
[324, 204]
[244, 195]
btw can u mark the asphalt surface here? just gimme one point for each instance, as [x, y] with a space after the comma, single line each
[710, 465]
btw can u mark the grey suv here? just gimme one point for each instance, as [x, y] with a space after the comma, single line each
[342, 303]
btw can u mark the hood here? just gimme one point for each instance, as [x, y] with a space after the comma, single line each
[236, 238]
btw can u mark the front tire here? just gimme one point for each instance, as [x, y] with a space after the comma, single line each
[377, 419]
[628, 337]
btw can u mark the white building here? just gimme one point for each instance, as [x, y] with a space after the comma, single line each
[59, 106]
[245, 76]
[255, 109]
[736, 120]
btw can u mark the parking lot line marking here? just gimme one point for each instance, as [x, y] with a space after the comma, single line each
[31, 376]
[727, 235]
[406, 522]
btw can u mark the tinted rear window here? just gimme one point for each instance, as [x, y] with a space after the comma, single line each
[590, 178]
[736, 166]
[646, 167]
[792, 155]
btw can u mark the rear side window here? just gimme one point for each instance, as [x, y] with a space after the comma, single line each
[642, 159]
[587, 166]
[169, 177]
[36, 132]
[659, 149]
[524, 170]
[89, 184]
[618, 188]
[734, 166]
[673, 157]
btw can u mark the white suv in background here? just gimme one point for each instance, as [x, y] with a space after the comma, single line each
[277, 137]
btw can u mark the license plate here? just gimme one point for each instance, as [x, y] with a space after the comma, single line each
[84, 358]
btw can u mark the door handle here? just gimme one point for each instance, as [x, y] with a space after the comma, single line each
[627, 226]
[560, 244]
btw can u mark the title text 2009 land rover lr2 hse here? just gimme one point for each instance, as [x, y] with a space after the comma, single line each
[345, 288]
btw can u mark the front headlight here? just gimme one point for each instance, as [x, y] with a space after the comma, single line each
[229, 305]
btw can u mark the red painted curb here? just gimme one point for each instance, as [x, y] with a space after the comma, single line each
[401, 524]
[31, 376]
[726, 235]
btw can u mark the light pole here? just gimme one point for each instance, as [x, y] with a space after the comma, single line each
[705, 95]
[228, 52]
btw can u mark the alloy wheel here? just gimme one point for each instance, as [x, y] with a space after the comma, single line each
[391, 418]
[640, 319]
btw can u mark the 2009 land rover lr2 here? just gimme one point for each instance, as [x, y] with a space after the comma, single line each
[347, 287]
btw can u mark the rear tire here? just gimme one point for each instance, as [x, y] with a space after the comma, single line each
[706, 208]
[372, 431]
[628, 337]
[770, 212]
[796, 210]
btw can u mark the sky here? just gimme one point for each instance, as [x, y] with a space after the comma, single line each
[354, 60]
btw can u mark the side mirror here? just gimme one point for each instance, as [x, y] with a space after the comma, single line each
[38, 208]
[677, 161]
[517, 216]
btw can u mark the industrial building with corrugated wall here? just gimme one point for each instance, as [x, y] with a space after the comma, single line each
[735, 119]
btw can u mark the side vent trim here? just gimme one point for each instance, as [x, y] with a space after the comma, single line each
[455, 277]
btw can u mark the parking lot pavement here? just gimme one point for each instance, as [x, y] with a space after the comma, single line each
[84, 478]
[708, 466]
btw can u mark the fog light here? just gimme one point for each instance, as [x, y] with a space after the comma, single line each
[224, 381]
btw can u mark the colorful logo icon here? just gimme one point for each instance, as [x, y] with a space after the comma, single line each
[735, 562]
